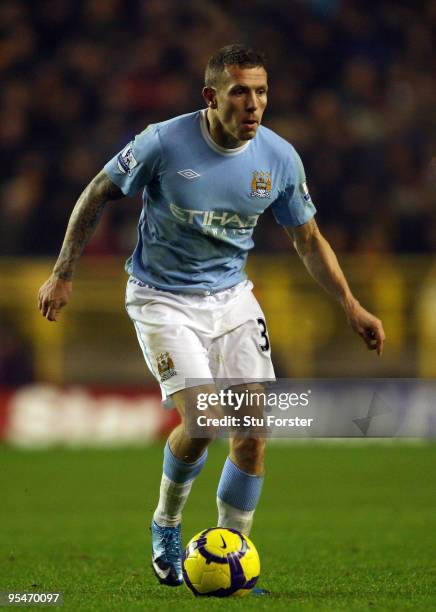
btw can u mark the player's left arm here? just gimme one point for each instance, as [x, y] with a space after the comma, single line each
[322, 264]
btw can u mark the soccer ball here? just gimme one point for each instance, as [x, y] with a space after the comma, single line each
[221, 563]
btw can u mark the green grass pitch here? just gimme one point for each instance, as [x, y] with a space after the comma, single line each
[339, 527]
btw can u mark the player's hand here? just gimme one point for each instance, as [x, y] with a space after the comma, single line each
[53, 296]
[369, 328]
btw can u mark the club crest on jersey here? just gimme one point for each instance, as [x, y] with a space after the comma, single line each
[261, 184]
[126, 160]
[165, 366]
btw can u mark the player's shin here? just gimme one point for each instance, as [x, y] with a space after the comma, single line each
[237, 497]
[177, 479]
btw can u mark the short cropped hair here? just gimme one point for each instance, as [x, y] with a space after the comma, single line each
[231, 55]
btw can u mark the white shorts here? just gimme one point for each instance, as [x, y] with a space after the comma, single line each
[185, 338]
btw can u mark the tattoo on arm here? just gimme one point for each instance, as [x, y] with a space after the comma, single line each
[84, 219]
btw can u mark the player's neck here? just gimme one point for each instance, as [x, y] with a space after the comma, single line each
[218, 134]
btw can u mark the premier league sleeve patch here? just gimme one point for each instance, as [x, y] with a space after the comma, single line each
[305, 192]
[126, 160]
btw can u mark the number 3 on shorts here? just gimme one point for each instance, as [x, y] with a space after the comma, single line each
[263, 334]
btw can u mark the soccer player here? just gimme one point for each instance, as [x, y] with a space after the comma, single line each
[206, 177]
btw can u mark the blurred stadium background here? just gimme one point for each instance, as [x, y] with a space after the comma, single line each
[352, 87]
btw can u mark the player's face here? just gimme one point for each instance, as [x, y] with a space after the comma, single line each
[240, 102]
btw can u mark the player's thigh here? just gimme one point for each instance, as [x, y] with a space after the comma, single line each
[243, 354]
[191, 399]
[173, 349]
[250, 399]
[199, 419]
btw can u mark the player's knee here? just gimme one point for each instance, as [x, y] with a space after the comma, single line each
[196, 445]
[203, 442]
[200, 443]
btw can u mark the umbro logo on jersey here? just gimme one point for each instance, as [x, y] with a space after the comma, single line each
[188, 173]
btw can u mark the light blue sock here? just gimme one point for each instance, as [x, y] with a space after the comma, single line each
[237, 497]
[179, 471]
[177, 479]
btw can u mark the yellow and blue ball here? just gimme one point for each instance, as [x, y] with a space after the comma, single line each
[220, 562]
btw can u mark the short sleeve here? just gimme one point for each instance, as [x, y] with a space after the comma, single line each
[294, 205]
[137, 164]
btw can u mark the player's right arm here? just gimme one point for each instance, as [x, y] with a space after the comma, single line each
[125, 174]
[55, 292]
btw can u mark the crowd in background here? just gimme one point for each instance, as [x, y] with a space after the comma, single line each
[351, 86]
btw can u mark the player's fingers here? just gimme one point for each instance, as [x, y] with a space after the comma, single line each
[380, 348]
[45, 305]
[52, 308]
[41, 298]
[48, 305]
[380, 341]
[380, 335]
[375, 337]
[52, 314]
[372, 344]
[368, 337]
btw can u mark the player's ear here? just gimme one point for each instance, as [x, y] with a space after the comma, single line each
[209, 95]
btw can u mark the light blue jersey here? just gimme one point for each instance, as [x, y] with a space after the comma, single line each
[201, 202]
